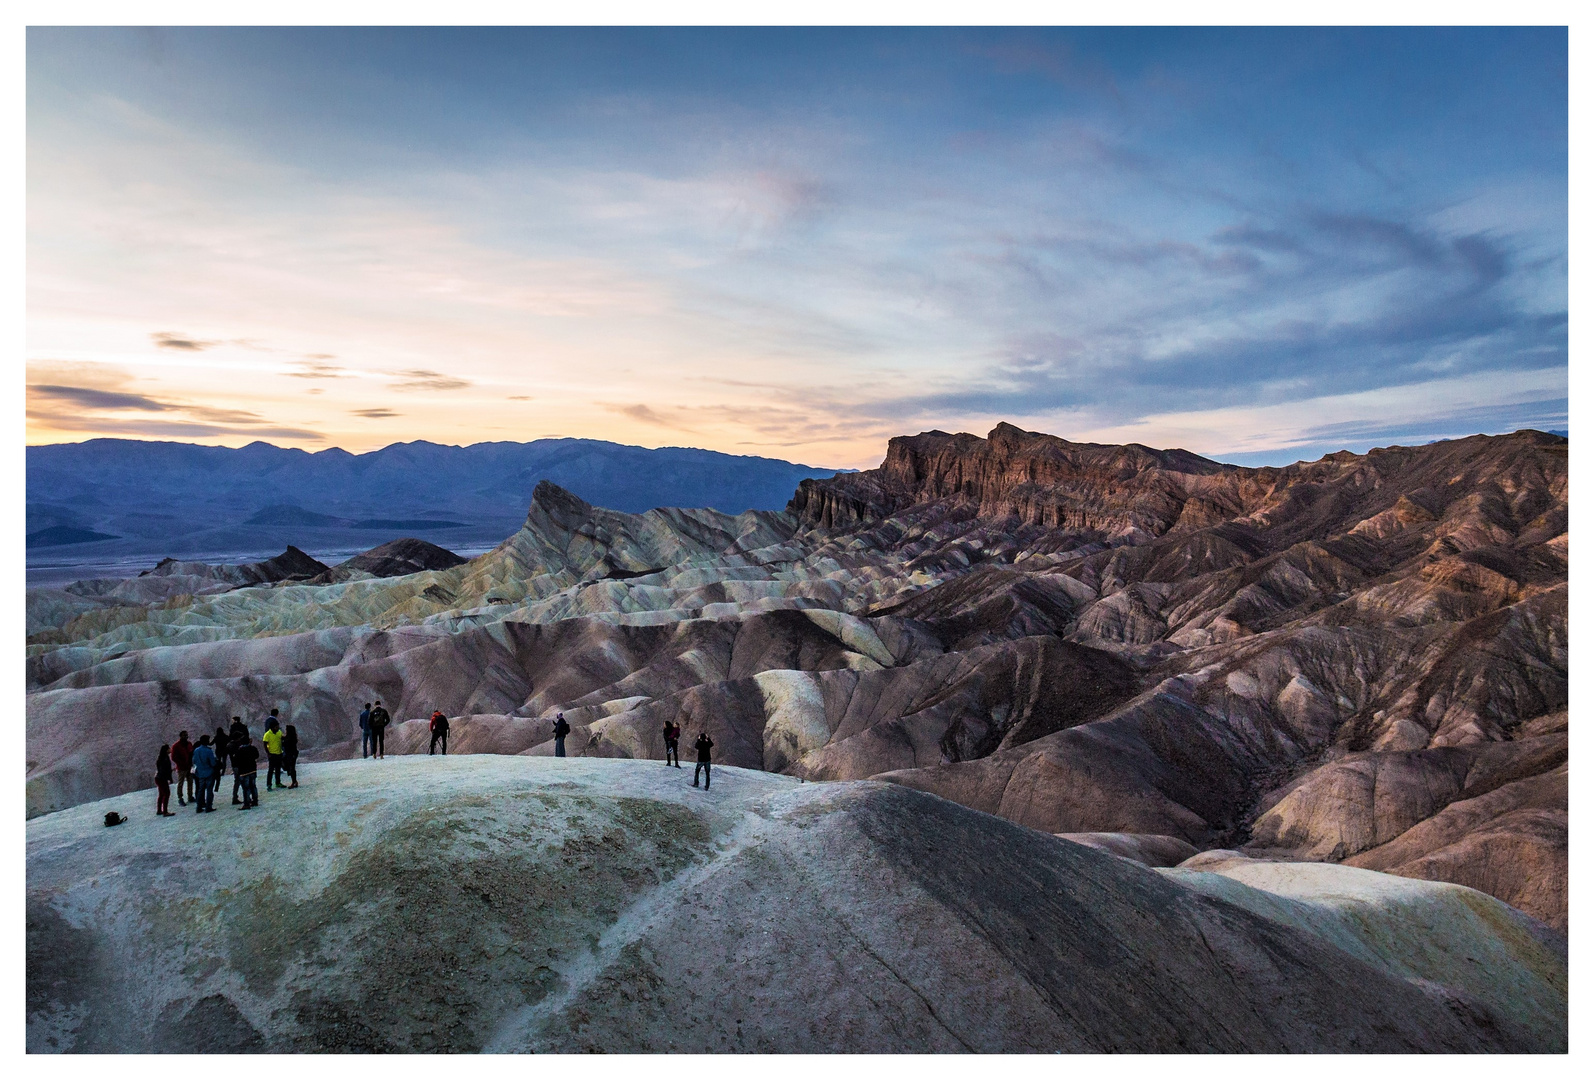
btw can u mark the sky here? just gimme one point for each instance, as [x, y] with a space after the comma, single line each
[1259, 245]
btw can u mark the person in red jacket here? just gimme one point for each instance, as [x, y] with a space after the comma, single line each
[183, 758]
[439, 731]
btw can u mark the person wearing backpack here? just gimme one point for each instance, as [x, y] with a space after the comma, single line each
[704, 745]
[439, 731]
[163, 782]
[183, 760]
[365, 731]
[245, 764]
[379, 722]
[204, 777]
[560, 730]
[272, 738]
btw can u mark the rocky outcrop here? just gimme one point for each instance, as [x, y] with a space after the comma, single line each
[510, 904]
[395, 558]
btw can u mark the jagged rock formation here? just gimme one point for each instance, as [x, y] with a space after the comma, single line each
[395, 558]
[506, 904]
[1357, 659]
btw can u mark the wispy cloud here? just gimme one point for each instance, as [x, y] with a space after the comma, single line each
[165, 339]
[83, 408]
[317, 369]
[422, 379]
[374, 414]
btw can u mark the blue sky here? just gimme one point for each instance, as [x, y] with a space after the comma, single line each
[1260, 245]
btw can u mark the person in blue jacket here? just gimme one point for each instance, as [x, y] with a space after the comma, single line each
[204, 776]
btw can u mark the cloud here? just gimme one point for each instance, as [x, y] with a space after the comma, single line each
[317, 369]
[74, 408]
[422, 379]
[166, 339]
[646, 415]
[518, 397]
[90, 398]
[375, 414]
[180, 429]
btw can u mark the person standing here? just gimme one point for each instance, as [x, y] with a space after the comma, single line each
[704, 745]
[290, 755]
[163, 782]
[272, 738]
[204, 776]
[237, 735]
[439, 731]
[183, 759]
[672, 743]
[560, 730]
[365, 731]
[245, 764]
[219, 744]
[379, 721]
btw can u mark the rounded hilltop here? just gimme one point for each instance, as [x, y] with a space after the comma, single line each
[516, 903]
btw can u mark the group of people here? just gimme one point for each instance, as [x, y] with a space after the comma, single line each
[672, 748]
[198, 768]
[374, 721]
[373, 730]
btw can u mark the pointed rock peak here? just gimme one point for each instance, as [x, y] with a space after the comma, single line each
[550, 497]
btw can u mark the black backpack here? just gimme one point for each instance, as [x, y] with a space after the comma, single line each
[113, 818]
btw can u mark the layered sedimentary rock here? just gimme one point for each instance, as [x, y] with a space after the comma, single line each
[507, 904]
[1361, 658]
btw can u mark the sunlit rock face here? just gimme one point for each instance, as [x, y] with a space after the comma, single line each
[485, 902]
[1359, 659]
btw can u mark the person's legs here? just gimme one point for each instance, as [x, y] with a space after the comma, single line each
[696, 773]
[237, 786]
[184, 780]
[365, 744]
[445, 744]
[273, 769]
[379, 743]
[292, 765]
[559, 747]
[163, 794]
[251, 792]
[708, 775]
[433, 749]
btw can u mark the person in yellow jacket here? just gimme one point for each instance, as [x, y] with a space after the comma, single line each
[272, 738]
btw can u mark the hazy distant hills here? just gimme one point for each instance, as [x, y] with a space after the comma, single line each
[170, 498]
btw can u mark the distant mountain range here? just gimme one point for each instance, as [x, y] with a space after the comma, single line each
[123, 497]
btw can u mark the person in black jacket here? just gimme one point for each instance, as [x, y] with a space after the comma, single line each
[378, 722]
[704, 744]
[672, 743]
[237, 735]
[290, 755]
[560, 730]
[439, 732]
[221, 744]
[163, 781]
[245, 765]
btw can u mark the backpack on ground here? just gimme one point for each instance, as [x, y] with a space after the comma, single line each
[113, 818]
